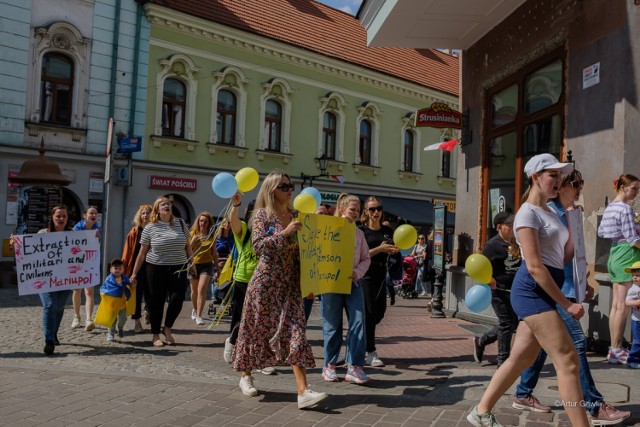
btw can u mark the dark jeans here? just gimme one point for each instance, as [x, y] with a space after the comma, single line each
[529, 377]
[53, 304]
[634, 353]
[239, 292]
[507, 325]
[165, 281]
[141, 291]
[375, 302]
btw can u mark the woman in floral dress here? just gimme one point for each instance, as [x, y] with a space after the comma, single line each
[272, 329]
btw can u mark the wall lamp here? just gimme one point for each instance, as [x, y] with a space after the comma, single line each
[323, 164]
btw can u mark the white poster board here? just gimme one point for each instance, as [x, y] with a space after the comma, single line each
[49, 262]
[579, 255]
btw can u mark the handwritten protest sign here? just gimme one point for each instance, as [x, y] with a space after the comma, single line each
[326, 254]
[49, 262]
[579, 254]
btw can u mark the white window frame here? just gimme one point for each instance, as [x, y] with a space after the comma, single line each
[231, 79]
[408, 124]
[370, 111]
[336, 104]
[182, 68]
[64, 38]
[278, 90]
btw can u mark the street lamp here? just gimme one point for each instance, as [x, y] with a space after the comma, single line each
[323, 164]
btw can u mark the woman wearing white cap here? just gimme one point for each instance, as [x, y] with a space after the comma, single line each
[546, 245]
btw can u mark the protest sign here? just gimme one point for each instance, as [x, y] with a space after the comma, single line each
[579, 254]
[326, 254]
[49, 262]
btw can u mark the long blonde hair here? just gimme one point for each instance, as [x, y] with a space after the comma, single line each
[195, 228]
[266, 198]
[365, 216]
[155, 214]
[136, 219]
[344, 200]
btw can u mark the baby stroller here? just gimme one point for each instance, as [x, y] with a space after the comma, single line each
[408, 286]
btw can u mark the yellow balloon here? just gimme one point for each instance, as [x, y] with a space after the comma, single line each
[247, 179]
[405, 236]
[305, 203]
[479, 268]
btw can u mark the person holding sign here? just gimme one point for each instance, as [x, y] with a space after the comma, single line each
[164, 251]
[619, 224]
[53, 303]
[205, 258]
[536, 293]
[332, 304]
[373, 283]
[601, 412]
[88, 222]
[272, 330]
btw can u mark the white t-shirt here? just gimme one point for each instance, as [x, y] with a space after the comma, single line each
[634, 295]
[553, 235]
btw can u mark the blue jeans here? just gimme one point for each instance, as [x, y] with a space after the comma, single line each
[120, 320]
[634, 353]
[529, 377]
[332, 306]
[52, 310]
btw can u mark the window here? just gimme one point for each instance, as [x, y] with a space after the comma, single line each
[273, 125]
[329, 135]
[226, 118]
[173, 108]
[445, 164]
[408, 148]
[56, 89]
[526, 118]
[365, 142]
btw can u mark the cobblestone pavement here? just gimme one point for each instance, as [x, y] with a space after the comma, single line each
[430, 377]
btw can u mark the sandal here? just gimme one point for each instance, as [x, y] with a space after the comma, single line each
[169, 337]
[156, 341]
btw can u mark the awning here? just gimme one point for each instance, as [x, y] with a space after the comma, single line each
[416, 211]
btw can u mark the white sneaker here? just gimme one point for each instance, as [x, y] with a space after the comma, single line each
[199, 321]
[372, 360]
[246, 385]
[310, 398]
[75, 324]
[193, 314]
[269, 370]
[228, 350]
[89, 325]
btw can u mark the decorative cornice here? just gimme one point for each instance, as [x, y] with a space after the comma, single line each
[212, 31]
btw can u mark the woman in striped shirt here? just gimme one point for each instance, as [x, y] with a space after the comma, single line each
[164, 245]
[618, 224]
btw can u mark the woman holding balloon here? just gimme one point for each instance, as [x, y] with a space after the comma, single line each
[379, 240]
[546, 244]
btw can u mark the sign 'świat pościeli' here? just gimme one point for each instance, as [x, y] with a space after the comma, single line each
[439, 115]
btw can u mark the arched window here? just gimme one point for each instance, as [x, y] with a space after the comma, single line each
[273, 125]
[365, 142]
[173, 108]
[329, 129]
[226, 117]
[56, 91]
[408, 147]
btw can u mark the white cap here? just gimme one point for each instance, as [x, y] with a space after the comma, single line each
[546, 162]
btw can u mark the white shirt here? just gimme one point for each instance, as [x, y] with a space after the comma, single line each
[553, 235]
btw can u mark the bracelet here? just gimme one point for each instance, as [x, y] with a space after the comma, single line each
[235, 206]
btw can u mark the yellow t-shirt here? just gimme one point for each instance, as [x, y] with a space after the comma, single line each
[202, 250]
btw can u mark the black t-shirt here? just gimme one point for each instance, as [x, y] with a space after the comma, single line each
[504, 264]
[374, 239]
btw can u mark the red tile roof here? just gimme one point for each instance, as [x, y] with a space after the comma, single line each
[319, 28]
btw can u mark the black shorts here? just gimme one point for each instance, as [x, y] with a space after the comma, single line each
[206, 268]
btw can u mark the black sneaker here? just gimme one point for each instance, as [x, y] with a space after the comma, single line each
[49, 346]
[478, 350]
[393, 300]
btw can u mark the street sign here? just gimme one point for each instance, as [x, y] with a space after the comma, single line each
[130, 145]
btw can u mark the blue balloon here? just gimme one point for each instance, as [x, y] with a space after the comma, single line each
[406, 252]
[224, 185]
[478, 298]
[315, 193]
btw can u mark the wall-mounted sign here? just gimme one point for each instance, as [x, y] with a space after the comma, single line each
[329, 197]
[439, 115]
[173, 183]
[130, 145]
[591, 75]
[450, 204]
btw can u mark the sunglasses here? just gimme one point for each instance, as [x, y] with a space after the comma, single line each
[285, 187]
[375, 208]
[577, 184]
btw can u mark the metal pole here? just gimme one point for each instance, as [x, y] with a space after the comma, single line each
[436, 301]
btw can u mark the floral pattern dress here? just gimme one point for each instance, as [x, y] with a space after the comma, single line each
[272, 330]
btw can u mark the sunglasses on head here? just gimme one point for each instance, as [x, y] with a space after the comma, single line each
[577, 183]
[375, 208]
[285, 187]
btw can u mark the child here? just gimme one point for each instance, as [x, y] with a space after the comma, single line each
[633, 301]
[347, 206]
[117, 285]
